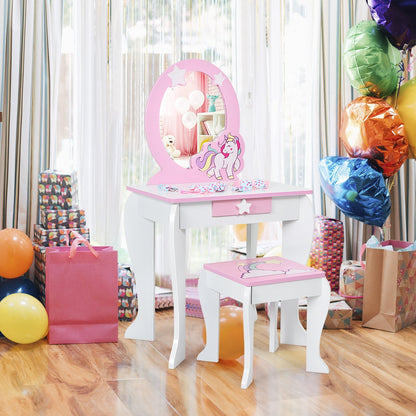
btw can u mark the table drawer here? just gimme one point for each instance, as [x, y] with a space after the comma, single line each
[243, 206]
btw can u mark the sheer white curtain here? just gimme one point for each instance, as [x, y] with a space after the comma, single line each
[274, 82]
[98, 114]
[90, 134]
[274, 78]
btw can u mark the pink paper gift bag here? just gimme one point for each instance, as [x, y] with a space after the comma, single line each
[81, 294]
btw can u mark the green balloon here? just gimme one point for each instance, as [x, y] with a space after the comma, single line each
[370, 60]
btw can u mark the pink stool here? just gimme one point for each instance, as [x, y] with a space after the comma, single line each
[266, 280]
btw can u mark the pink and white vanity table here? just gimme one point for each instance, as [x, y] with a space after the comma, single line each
[177, 199]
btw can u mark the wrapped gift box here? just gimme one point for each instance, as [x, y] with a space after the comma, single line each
[39, 279]
[58, 190]
[47, 201]
[193, 305]
[127, 295]
[163, 298]
[339, 316]
[339, 313]
[62, 218]
[327, 248]
[68, 180]
[351, 286]
[57, 237]
[165, 281]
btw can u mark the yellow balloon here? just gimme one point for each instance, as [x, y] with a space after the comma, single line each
[240, 231]
[23, 319]
[276, 251]
[406, 107]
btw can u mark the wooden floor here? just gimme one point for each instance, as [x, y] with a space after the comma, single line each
[371, 373]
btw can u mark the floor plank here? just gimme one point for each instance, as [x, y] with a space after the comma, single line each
[371, 373]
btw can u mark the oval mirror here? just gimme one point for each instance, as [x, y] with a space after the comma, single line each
[190, 116]
[192, 125]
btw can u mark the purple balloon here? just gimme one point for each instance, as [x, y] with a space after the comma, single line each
[397, 18]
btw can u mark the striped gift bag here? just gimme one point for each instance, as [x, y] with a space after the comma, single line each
[328, 248]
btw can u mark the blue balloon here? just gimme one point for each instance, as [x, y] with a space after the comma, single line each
[18, 285]
[357, 189]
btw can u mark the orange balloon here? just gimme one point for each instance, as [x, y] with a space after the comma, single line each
[372, 129]
[231, 332]
[16, 253]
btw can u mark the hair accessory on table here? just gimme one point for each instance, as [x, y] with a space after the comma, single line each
[202, 189]
[260, 184]
[167, 188]
[246, 185]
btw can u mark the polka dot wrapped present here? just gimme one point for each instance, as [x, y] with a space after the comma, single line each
[328, 248]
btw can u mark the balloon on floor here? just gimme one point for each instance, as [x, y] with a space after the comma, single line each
[231, 333]
[16, 253]
[23, 319]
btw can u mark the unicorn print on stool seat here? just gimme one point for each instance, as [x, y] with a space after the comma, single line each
[227, 158]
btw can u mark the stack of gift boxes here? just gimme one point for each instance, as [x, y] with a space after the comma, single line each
[351, 286]
[59, 215]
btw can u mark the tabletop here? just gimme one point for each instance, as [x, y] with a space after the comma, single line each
[183, 193]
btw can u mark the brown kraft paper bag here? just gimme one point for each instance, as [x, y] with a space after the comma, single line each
[389, 301]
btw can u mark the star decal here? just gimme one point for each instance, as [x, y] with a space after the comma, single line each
[177, 76]
[243, 207]
[219, 79]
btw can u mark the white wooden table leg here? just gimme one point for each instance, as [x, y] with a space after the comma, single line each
[273, 340]
[251, 240]
[249, 317]
[210, 304]
[317, 312]
[177, 256]
[297, 235]
[142, 254]
[291, 330]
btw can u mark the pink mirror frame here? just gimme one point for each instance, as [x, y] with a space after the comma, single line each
[219, 160]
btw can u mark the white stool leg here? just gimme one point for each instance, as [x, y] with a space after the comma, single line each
[317, 312]
[249, 317]
[291, 330]
[273, 341]
[210, 304]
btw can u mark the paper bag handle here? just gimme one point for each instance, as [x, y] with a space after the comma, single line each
[79, 239]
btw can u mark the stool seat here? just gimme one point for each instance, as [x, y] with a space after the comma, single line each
[266, 270]
[266, 280]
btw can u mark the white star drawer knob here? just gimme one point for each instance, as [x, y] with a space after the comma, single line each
[243, 207]
[246, 206]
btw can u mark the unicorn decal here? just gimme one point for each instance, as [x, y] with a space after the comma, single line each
[227, 158]
[265, 268]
